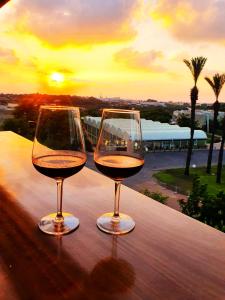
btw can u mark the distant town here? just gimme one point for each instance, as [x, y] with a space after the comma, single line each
[156, 110]
[170, 119]
[6, 99]
[88, 105]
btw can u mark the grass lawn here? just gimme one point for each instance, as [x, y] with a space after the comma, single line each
[175, 178]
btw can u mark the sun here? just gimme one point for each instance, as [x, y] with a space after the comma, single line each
[57, 77]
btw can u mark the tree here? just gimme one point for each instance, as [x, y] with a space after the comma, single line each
[19, 126]
[216, 83]
[160, 114]
[192, 207]
[195, 66]
[220, 157]
[200, 205]
[185, 121]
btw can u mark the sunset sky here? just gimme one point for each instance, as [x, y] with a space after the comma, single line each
[127, 48]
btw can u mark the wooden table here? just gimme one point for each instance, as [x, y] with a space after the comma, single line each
[167, 256]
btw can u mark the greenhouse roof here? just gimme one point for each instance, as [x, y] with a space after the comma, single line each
[151, 131]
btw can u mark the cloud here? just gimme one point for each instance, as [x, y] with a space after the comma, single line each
[134, 59]
[189, 20]
[8, 56]
[76, 21]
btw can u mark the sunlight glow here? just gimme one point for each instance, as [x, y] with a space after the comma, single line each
[57, 77]
[91, 56]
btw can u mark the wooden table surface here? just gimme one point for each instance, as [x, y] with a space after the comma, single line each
[167, 256]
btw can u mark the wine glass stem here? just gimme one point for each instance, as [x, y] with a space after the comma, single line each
[59, 217]
[117, 199]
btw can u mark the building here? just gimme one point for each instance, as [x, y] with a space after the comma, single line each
[156, 136]
[12, 106]
[201, 116]
[152, 103]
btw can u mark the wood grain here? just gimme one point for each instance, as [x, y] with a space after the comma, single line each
[167, 256]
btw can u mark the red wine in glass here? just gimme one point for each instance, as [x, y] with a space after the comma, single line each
[118, 155]
[58, 152]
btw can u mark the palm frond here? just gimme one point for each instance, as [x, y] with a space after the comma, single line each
[198, 64]
[210, 82]
[195, 65]
[216, 83]
[188, 64]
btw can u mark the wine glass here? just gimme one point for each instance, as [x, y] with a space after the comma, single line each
[118, 155]
[58, 152]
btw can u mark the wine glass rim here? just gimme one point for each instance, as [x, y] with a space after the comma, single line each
[66, 107]
[122, 111]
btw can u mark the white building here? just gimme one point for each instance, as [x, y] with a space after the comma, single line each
[12, 106]
[201, 116]
[155, 135]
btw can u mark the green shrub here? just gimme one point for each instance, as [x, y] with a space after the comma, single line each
[209, 209]
[156, 196]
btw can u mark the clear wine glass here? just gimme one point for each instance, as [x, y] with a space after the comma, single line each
[58, 152]
[118, 155]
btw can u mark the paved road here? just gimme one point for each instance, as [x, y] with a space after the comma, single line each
[162, 161]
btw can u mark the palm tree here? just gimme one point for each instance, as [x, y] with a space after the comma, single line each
[195, 65]
[216, 83]
[220, 158]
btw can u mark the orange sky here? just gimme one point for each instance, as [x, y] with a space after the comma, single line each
[128, 48]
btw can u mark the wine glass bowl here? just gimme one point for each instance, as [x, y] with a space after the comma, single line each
[118, 155]
[58, 152]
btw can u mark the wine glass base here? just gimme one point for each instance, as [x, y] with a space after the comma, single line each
[112, 225]
[49, 226]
